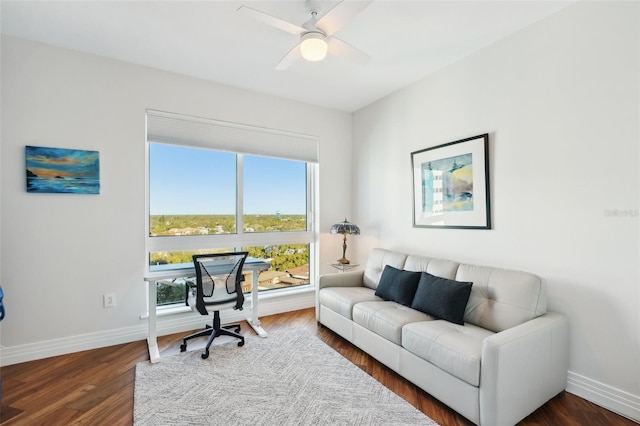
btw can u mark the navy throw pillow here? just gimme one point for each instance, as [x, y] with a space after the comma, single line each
[442, 298]
[398, 285]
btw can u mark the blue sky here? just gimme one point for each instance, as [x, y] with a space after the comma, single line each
[198, 181]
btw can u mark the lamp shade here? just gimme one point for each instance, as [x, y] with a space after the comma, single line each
[345, 228]
[313, 46]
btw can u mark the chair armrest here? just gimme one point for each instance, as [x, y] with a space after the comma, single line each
[522, 368]
[344, 279]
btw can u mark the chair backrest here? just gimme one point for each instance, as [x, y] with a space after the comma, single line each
[219, 279]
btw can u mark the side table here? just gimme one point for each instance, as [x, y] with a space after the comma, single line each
[342, 267]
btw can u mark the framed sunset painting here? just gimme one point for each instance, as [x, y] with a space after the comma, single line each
[451, 185]
[60, 170]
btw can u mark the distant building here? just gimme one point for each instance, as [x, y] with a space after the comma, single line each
[300, 272]
[270, 279]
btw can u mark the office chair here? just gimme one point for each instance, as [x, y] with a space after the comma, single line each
[218, 286]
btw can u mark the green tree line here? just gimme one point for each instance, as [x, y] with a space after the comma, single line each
[223, 224]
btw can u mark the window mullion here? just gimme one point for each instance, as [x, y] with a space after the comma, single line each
[239, 195]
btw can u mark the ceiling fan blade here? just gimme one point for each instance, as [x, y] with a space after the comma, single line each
[293, 55]
[342, 13]
[341, 48]
[271, 20]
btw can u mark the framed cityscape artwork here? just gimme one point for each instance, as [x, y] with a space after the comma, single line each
[59, 170]
[451, 185]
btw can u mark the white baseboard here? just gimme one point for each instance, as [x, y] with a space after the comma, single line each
[48, 348]
[269, 305]
[616, 400]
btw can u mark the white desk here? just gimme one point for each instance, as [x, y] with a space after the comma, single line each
[188, 270]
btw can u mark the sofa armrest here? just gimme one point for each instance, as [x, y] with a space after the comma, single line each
[522, 368]
[344, 279]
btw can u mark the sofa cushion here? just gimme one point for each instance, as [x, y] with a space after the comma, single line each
[442, 298]
[342, 299]
[398, 285]
[378, 259]
[453, 348]
[386, 318]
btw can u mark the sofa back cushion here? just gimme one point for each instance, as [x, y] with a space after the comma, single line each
[502, 298]
[378, 259]
[439, 267]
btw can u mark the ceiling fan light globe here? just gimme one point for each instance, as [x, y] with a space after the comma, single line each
[313, 47]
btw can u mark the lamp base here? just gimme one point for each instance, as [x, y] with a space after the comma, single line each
[344, 261]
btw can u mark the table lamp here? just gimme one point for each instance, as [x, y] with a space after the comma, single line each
[345, 228]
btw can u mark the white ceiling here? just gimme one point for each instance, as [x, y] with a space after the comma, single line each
[407, 40]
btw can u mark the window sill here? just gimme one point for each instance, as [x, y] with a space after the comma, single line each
[179, 308]
[162, 311]
[285, 291]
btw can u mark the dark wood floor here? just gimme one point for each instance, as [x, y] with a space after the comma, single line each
[96, 387]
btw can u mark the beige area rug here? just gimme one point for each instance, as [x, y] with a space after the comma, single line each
[288, 378]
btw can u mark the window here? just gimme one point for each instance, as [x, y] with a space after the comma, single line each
[204, 197]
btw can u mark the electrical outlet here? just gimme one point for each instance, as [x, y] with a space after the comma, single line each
[109, 300]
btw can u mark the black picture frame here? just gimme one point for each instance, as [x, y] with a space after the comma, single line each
[451, 185]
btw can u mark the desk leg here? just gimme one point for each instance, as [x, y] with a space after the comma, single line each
[152, 339]
[253, 321]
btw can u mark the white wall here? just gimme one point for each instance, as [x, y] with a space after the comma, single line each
[560, 101]
[60, 253]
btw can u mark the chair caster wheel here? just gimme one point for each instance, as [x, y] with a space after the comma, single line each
[205, 355]
[183, 347]
[241, 343]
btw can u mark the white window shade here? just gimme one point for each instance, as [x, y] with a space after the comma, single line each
[170, 128]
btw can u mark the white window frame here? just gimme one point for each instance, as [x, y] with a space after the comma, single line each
[248, 138]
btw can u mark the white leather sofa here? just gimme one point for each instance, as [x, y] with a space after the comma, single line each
[508, 359]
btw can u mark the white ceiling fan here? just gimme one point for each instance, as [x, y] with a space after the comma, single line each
[316, 34]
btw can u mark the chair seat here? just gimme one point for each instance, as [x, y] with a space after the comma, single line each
[223, 304]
